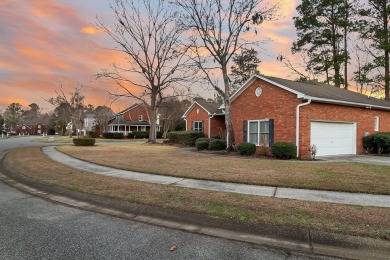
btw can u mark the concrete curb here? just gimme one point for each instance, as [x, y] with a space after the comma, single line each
[305, 241]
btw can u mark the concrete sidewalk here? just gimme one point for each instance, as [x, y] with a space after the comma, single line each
[288, 193]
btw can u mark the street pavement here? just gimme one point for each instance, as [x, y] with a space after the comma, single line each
[33, 228]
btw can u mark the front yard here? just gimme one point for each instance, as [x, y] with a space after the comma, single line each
[352, 220]
[168, 160]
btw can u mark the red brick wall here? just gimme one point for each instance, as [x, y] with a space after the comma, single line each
[280, 105]
[217, 125]
[274, 103]
[202, 116]
[133, 114]
[363, 117]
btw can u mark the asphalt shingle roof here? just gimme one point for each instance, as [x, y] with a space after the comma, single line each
[211, 107]
[324, 91]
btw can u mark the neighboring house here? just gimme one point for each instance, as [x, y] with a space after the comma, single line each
[37, 129]
[89, 121]
[132, 119]
[207, 117]
[268, 109]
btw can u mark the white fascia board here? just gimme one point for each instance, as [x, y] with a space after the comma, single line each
[254, 77]
[130, 108]
[192, 105]
[345, 103]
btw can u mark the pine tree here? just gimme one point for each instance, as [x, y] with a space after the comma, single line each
[245, 64]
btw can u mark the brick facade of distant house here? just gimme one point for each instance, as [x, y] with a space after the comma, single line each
[37, 129]
[206, 117]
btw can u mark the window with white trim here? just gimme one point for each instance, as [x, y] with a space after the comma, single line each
[376, 123]
[258, 132]
[197, 126]
[140, 118]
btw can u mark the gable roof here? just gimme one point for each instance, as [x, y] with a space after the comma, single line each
[212, 108]
[128, 109]
[319, 92]
[119, 120]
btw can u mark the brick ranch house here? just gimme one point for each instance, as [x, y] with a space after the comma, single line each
[207, 117]
[37, 129]
[133, 119]
[269, 109]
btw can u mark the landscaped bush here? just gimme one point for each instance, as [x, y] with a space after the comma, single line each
[284, 150]
[186, 138]
[246, 148]
[130, 135]
[92, 134]
[217, 145]
[159, 134]
[202, 145]
[141, 134]
[204, 139]
[108, 135]
[377, 143]
[117, 135]
[84, 141]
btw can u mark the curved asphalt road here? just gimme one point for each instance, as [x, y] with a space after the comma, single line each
[32, 228]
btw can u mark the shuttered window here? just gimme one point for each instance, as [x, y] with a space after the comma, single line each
[259, 132]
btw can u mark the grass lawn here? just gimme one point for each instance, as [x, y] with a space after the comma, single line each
[67, 139]
[167, 160]
[352, 220]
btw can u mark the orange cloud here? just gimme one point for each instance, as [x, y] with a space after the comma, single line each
[90, 30]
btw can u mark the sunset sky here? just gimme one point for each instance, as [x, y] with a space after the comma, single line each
[44, 42]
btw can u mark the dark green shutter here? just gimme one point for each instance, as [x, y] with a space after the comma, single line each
[271, 132]
[203, 126]
[245, 131]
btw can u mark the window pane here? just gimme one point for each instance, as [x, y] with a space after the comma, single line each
[264, 140]
[264, 127]
[253, 127]
[254, 138]
[200, 126]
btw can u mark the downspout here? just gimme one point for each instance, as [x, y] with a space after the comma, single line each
[297, 124]
[210, 124]
[185, 119]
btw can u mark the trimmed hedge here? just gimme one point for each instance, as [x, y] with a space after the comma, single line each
[377, 143]
[246, 148]
[284, 150]
[202, 144]
[141, 134]
[217, 145]
[186, 138]
[84, 141]
[113, 135]
[204, 139]
[130, 135]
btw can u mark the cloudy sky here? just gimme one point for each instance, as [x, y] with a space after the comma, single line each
[45, 42]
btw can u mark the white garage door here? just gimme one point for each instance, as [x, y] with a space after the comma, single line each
[333, 138]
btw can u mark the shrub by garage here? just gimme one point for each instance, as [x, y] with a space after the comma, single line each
[202, 144]
[378, 143]
[284, 150]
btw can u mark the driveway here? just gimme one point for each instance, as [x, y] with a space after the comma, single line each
[372, 159]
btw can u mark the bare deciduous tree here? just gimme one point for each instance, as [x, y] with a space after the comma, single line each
[216, 26]
[72, 106]
[148, 34]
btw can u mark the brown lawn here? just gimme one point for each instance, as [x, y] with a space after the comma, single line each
[352, 220]
[167, 160]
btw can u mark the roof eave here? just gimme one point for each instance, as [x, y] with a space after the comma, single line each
[344, 103]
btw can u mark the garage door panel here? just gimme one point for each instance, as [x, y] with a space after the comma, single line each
[333, 138]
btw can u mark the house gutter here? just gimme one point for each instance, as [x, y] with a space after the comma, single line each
[297, 123]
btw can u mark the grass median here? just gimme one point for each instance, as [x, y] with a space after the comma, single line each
[351, 220]
[167, 160]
